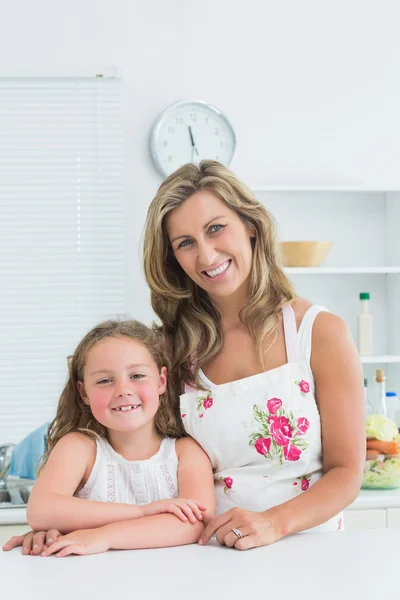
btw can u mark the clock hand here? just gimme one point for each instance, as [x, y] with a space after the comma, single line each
[194, 149]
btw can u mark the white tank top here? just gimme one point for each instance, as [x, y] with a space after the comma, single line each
[115, 479]
[263, 433]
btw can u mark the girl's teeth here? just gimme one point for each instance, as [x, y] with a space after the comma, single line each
[125, 408]
[218, 271]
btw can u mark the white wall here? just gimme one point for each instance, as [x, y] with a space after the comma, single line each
[311, 86]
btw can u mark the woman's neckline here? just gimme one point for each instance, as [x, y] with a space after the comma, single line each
[244, 379]
[204, 377]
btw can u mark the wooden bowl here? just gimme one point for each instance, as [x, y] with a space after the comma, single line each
[304, 254]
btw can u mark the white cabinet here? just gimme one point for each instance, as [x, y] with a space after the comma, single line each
[374, 518]
[8, 531]
[393, 518]
[365, 519]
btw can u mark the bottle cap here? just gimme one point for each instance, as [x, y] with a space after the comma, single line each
[391, 394]
[364, 296]
[380, 375]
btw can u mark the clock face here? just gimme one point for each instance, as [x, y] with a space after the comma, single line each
[189, 132]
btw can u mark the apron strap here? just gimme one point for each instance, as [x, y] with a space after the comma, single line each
[291, 337]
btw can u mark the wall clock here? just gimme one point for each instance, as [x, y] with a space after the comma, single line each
[190, 132]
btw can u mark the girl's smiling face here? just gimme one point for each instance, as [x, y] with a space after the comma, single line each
[211, 243]
[122, 384]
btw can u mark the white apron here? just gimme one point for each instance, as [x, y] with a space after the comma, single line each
[263, 433]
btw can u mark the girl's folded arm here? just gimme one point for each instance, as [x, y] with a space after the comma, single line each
[195, 481]
[52, 504]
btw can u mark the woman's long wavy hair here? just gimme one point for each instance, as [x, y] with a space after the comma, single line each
[74, 415]
[189, 319]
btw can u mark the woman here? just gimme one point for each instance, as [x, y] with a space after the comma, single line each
[270, 385]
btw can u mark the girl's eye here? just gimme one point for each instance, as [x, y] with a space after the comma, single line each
[137, 376]
[215, 228]
[184, 244]
[104, 381]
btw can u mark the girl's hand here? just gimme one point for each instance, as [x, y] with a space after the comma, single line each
[185, 510]
[32, 542]
[257, 529]
[83, 541]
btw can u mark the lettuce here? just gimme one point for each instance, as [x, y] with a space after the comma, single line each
[381, 474]
[381, 428]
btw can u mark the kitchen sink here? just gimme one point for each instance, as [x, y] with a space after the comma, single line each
[16, 493]
[5, 496]
[25, 493]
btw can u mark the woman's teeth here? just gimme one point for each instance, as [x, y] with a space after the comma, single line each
[125, 408]
[219, 270]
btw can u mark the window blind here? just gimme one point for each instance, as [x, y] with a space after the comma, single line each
[61, 233]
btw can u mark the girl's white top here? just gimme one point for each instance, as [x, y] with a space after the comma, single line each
[263, 433]
[115, 479]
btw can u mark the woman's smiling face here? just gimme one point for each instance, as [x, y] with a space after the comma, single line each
[211, 243]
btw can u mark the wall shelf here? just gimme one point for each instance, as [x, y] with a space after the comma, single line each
[362, 223]
[341, 270]
[383, 359]
[355, 188]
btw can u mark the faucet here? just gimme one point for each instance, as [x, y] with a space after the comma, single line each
[5, 461]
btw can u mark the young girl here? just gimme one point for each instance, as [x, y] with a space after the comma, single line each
[112, 461]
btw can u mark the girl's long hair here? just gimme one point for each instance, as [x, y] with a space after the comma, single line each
[189, 319]
[74, 415]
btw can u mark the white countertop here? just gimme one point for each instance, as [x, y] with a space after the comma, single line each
[376, 499]
[304, 566]
[367, 499]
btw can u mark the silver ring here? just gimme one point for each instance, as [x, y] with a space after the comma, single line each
[237, 532]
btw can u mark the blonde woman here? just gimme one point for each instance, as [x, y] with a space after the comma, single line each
[270, 385]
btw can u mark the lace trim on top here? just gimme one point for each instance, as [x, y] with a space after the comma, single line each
[168, 480]
[111, 485]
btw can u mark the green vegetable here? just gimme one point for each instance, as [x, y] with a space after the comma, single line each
[381, 428]
[381, 474]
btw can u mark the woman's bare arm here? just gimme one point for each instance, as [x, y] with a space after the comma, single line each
[339, 389]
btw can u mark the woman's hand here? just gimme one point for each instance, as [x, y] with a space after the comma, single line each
[33, 542]
[83, 541]
[184, 509]
[257, 529]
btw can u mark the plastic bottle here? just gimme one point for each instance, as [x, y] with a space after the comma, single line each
[392, 405]
[369, 409]
[364, 326]
[397, 420]
[380, 391]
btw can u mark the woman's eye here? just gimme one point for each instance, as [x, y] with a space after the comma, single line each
[184, 244]
[215, 228]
